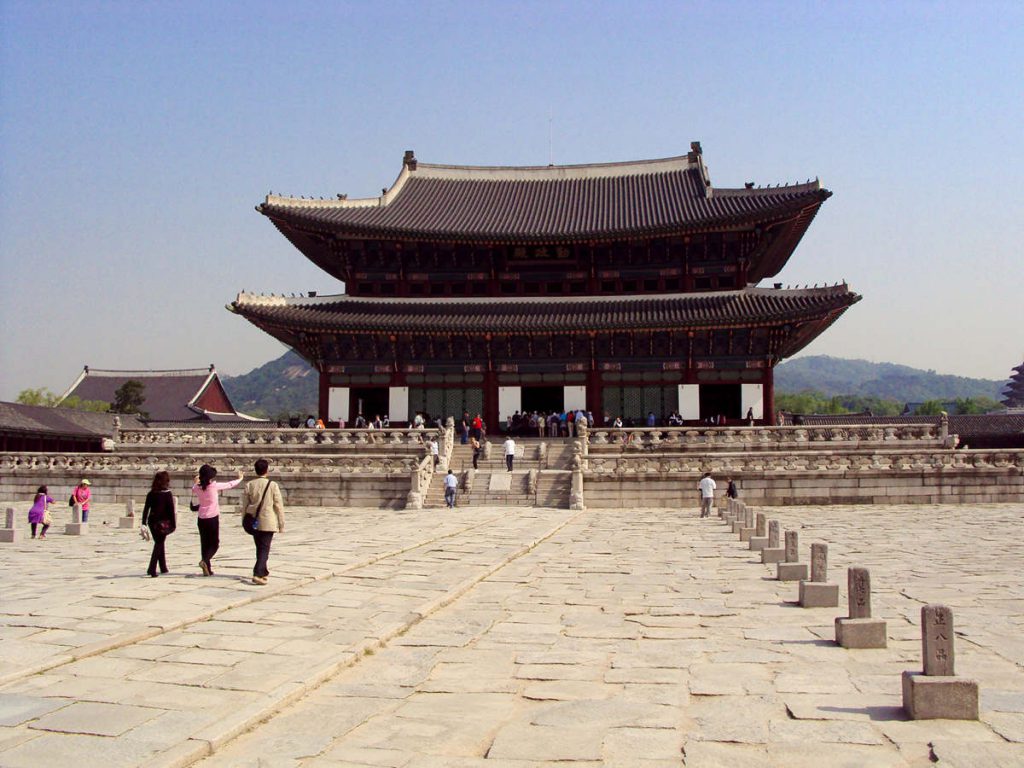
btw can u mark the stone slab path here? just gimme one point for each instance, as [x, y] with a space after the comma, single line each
[493, 637]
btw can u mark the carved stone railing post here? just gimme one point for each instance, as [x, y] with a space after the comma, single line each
[583, 435]
[576, 491]
[448, 442]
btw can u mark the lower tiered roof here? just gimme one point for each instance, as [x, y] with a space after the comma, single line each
[750, 307]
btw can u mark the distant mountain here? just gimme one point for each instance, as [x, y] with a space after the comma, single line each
[833, 376]
[289, 385]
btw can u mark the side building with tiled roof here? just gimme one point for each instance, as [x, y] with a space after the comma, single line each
[183, 395]
[619, 288]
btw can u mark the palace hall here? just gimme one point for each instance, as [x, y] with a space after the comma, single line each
[622, 288]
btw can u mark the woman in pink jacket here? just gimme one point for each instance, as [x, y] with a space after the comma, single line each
[205, 500]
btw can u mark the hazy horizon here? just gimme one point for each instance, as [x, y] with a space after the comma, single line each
[138, 138]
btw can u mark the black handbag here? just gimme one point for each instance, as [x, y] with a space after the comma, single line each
[193, 505]
[250, 523]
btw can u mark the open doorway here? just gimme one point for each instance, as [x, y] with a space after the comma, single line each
[721, 400]
[543, 399]
[369, 401]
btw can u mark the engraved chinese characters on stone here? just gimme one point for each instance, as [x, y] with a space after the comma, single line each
[819, 562]
[859, 590]
[792, 547]
[937, 637]
[773, 534]
[762, 524]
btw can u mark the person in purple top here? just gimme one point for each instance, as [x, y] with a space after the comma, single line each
[37, 514]
[205, 491]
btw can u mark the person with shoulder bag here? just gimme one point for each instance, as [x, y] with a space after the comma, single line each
[159, 514]
[262, 517]
[40, 513]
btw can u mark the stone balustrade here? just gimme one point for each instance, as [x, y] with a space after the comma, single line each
[272, 437]
[763, 438]
[805, 461]
[84, 464]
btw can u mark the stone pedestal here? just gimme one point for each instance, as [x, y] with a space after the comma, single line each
[814, 594]
[128, 522]
[758, 543]
[790, 571]
[737, 526]
[861, 633]
[929, 697]
[746, 533]
[9, 534]
[773, 555]
[76, 529]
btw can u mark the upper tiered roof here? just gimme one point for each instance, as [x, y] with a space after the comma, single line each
[548, 203]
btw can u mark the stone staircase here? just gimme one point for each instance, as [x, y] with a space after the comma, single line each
[542, 476]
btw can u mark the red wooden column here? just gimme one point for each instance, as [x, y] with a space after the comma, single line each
[323, 395]
[490, 413]
[769, 396]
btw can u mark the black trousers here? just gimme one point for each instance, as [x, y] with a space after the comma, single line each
[158, 558]
[45, 527]
[262, 540]
[209, 537]
[476, 458]
[508, 461]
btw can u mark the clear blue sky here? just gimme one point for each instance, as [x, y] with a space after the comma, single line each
[136, 137]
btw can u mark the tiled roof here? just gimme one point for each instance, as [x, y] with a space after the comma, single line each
[168, 393]
[38, 419]
[548, 314]
[545, 203]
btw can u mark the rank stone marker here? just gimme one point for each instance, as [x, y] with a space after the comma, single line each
[747, 531]
[859, 630]
[739, 518]
[792, 569]
[8, 534]
[938, 693]
[773, 553]
[760, 538]
[818, 592]
[76, 527]
[130, 520]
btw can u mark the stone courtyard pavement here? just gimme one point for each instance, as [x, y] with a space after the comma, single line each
[505, 639]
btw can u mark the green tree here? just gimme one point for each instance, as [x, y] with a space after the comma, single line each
[45, 397]
[41, 396]
[968, 405]
[76, 403]
[129, 398]
[930, 408]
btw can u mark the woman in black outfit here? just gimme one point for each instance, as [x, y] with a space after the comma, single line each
[158, 514]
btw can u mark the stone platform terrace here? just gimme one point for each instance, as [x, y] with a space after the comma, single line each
[505, 638]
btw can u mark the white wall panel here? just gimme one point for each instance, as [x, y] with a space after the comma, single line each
[398, 403]
[575, 398]
[689, 401]
[337, 404]
[752, 396]
[510, 400]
